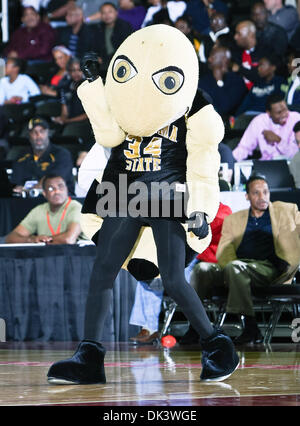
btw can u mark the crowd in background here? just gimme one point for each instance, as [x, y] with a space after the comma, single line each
[248, 57]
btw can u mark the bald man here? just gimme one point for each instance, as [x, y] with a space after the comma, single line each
[251, 52]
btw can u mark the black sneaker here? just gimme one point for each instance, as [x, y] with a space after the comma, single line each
[219, 358]
[85, 367]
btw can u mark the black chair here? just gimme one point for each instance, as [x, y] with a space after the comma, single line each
[277, 173]
[48, 108]
[80, 129]
[41, 72]
[17, 115]
[275, 297]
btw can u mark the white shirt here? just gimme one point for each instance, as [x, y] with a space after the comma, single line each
[93, 165]
[175, 10]
[37, 4]
[23, 86]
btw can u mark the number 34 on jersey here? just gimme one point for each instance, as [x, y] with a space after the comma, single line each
[146, 157]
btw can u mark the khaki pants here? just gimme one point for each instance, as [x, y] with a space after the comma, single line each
[238, 276]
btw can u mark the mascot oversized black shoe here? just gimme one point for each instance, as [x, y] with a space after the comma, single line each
[85, 367]
[219, 358]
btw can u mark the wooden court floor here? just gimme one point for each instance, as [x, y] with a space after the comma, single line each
[151, 376]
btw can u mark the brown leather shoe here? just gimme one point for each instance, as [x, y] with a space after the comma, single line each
[143, 334]
[150, 339]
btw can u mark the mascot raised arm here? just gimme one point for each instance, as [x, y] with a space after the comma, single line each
[161, 178]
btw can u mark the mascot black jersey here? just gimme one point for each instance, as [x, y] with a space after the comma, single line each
[150, 169]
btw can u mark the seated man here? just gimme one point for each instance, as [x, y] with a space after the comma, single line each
[266, 83]
[33, 40]
[258, 247]
[226, 89]
[54, 222]
[42, 158]
[271, 132]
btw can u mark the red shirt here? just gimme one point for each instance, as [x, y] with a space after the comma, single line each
[34, 44]
[209, 255]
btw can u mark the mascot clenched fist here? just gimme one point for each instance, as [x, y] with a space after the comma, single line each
[161, 178]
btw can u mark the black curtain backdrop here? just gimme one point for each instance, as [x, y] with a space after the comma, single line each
[43, 292]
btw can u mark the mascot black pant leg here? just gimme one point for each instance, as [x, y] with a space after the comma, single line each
[170, 240]
[118, 236]
[86, 366]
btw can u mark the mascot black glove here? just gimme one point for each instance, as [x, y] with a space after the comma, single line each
[90, 66]
[198, 225]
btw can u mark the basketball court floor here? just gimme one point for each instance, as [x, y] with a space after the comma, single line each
[151, 376]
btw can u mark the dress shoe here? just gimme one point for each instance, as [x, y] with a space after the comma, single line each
[85, 367]
[219, 358]
[191, 337]
[249, 335]
[143, 334]
[148, 340]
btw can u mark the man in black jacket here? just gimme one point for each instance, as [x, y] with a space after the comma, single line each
[111, 32]
[78, 37]
[269, 33]
[42, 158]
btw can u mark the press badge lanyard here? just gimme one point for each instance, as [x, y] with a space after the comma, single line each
[60, 221]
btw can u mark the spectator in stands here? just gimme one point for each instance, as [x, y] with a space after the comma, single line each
[292, 88]
[16, 87]
[251, 52]
[266, 83]
[175, 9]
[41, 158]
[201, 10]
[132, 12]
[149, 294]
[55, 222]
[226, 88]
[267, 32]
[259, 247]
[60, 80]
[110, 33]
[184, 24]
[91, 9]
[284, 16]
[34, 40]
[219, 27]
[271, 132]
[56, 11]
[72, 109]
[295, 161]
[78, 37]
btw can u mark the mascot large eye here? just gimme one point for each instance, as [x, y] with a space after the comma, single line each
[169, 80]
[123, 69]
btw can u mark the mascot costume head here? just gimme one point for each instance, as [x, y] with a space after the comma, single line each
[152, 81]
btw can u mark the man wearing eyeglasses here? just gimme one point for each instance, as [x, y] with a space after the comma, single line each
[54, 222]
